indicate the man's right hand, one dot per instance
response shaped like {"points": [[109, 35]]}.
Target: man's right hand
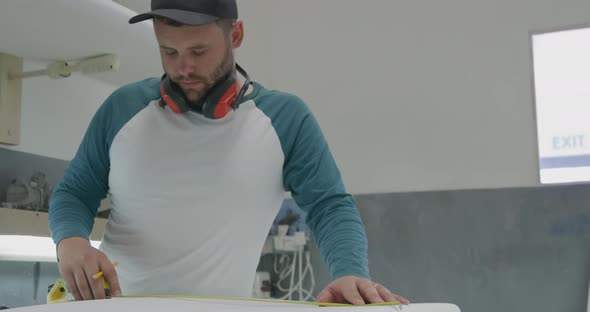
{"points": [[78, 262]]}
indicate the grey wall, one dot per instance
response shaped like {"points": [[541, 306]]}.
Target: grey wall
{"points": [[484, 250]]}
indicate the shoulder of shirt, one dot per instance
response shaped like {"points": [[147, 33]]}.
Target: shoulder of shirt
{"points": [[135, 95], [142, 91], [277, 99]]}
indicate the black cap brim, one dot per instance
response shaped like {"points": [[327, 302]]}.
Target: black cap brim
{"points": [[183, 17]]}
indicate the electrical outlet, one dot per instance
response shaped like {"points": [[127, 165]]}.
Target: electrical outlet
{"points": [[10, 99], [289, 243]]}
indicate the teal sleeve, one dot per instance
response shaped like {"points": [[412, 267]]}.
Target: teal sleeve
{"points": [[76, 197], [314, 180], [74, 202]]}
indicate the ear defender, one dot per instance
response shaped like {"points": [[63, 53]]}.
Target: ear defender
{"points": [[219, 101], [172, 96]]}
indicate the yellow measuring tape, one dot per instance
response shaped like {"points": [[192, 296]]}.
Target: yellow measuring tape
{"points": [[321, 304], [59, 293]]}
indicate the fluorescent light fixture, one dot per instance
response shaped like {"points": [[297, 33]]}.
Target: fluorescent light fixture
{"points": [[29, 248]]}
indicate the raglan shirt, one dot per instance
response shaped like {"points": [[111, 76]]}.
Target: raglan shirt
{"points": [[193, 198]]}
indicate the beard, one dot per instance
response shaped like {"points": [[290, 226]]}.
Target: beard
{"points": [[196, 95]]}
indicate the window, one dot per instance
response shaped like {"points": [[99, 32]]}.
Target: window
{"points": [[561, 64]]}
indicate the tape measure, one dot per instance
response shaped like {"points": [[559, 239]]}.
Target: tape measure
{"points": [[59, 293], [321, 304]]}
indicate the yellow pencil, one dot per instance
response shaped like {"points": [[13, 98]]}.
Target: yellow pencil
{"points": [[99, 274]]}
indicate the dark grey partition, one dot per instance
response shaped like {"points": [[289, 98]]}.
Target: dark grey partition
{"points": [[484, 250]]}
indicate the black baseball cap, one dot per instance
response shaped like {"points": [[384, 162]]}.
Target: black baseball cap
{"points": [[190, 12]]}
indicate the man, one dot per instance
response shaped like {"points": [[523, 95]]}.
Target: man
{"points": [[197, 164]]}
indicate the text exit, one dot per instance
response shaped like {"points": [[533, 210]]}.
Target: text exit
{"points": [[568, 142]]}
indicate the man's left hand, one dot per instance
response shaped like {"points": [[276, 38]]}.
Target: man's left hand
{"points": [[357, 291]]}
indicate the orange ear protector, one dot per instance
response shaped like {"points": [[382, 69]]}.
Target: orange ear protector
{"points": [[220, 100]]}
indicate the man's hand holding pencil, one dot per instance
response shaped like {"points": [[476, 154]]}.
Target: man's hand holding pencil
{"points": [[82, 265]]}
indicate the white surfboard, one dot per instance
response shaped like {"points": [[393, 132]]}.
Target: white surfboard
{"points": [[217, 305]]}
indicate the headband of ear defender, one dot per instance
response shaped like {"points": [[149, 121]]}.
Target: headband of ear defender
{"points": [[220, 100]]}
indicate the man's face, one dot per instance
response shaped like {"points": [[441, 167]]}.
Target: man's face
{"points": [[195, 57]]}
